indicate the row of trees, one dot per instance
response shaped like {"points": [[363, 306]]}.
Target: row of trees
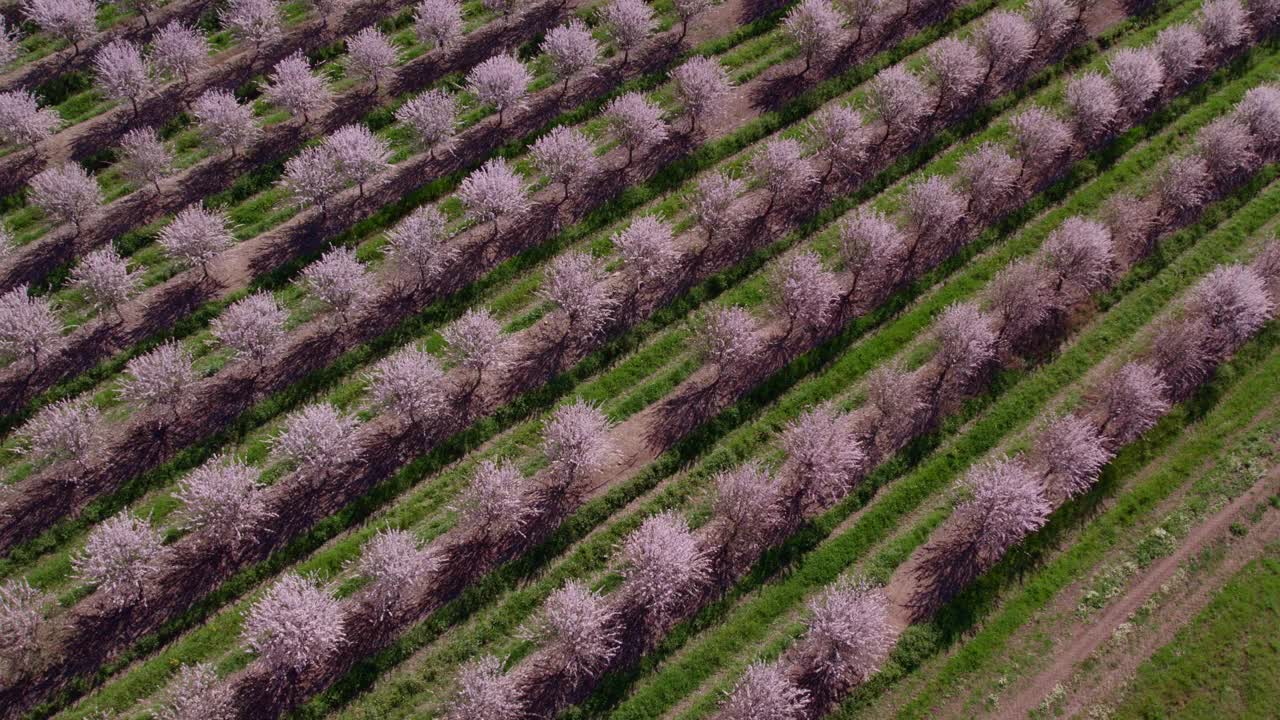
{"points": [[1010, 498], [1013, 498], [296, 625]]}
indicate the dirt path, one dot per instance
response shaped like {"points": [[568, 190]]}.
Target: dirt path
{"points": [[33, 261], [1085, 642]]}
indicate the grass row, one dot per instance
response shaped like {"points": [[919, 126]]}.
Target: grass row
{"points": [[1225, 662]]}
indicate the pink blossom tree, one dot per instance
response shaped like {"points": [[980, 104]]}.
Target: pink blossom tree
{"points": [[764, 691], [145, 158], [806, 292], [897, 399], [252, 327], [196, 236], [933, 209], [577, 630], [392, 561], [701, 85], [121, 72], [1079, 253], [1006, 504], [824, 460], [29, 327], [572, 51], [1094, 105], [712, 205], [1130, 401], [955, 70], [663, 566], [438, 22], [311, 177], [357, 154], [493, 192], [496, 503], [1138, 76], [1228, 150], [196, 694], [869, 244], [1233, 303], [295, 88], [21, 616], [70, 20], [417, 244], [1131, 221], [1072, 453], [340, 282], [1182, 52], [898, 99], [503, 7], [565, 156], [120, 555], [814, 25], [1004, 39], [371, 57], [475, 342], [966, 347], [315, 436], [687, 10], [1051, 20], [501, 81], [1264, 14], [1260, 110], [1182, 353], [782, 169], [223, 498], [647, 249], [485, 692], [433, 118], [1020, 300], [160, 377], [293, 626], [326, 8], [728, 340], [577, 443], [849, 635], [22, 121], [257, 22], [635, 122], [104, 278], [1039, 139], [67, 192], [575, 285], [1183, 185], [746, 516], [990, 177], [409, 383], [866, 16], [69, 429], [179, 50], [223, 121], [837, 136], [9, 48], [629, 23], [1224, 24]]}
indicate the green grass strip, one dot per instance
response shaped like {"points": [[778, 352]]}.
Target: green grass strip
{"points": [[1225, 663]]}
